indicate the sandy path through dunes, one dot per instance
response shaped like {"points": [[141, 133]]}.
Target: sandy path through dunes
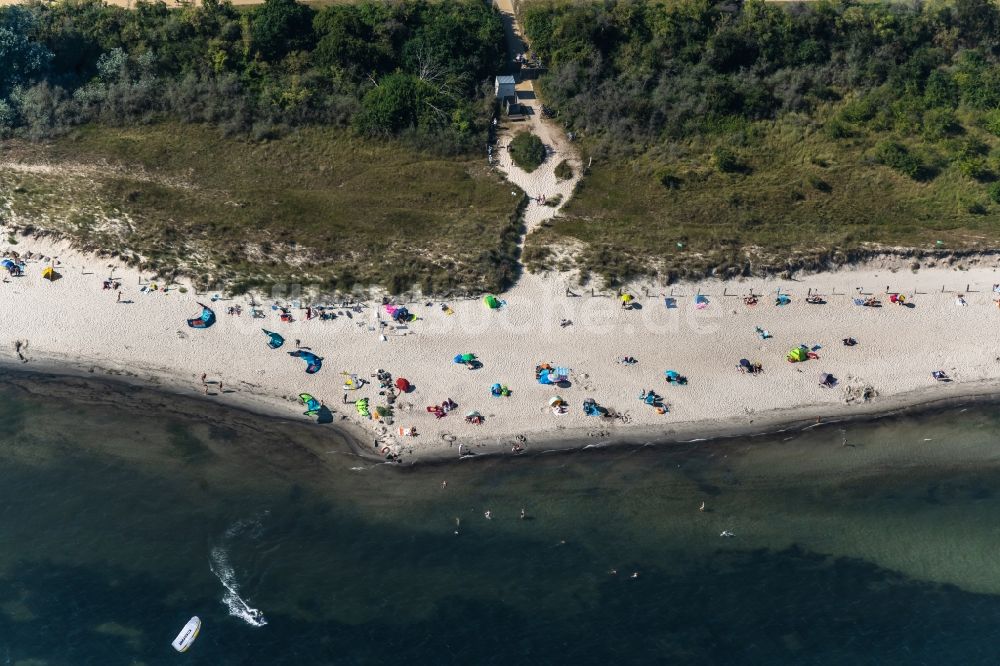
{"points": [[541, 182]]}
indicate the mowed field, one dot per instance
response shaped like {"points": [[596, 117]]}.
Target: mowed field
{"points": [[318, 205]]}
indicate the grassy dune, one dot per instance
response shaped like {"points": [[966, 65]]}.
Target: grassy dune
{"points": [[317, 206], [795, 198]]}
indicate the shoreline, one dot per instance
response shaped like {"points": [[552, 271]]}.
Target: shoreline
{"points": [[578, 441], [99, 386], [73, 326], [109, 389]]}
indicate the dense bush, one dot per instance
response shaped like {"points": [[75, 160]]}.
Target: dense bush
{"points": [[991, 121], [527, 151], [669, 178], [414, 69], [940, 123], [685, 67], [634, 76], [895, 155], [727, 161]]}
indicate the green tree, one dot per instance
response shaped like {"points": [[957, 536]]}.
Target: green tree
{"points": [[400, 101], [21, 58], [279, 27], [978, 22], [350, 38], [527, 151]]}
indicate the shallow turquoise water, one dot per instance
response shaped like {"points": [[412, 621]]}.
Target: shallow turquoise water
{"points": [[868, 544]]}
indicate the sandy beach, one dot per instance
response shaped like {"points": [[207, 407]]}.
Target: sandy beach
{"points": [[74, 325]]}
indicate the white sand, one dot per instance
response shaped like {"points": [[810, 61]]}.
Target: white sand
{"points": [[74, 325]]}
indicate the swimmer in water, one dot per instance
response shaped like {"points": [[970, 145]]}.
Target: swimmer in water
{"points": [[489, 515], [702, 507], [444, 484], [635, 574], [523, 514]]}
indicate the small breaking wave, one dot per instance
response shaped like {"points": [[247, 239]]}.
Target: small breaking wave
{"points": [[223, 570]]}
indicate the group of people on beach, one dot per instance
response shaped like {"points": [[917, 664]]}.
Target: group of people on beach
{"points": [[627, 302]]}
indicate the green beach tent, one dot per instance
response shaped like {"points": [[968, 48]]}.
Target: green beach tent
{"points": [[491, 302], [797, 355]]}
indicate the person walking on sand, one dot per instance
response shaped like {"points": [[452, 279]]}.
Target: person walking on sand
{"points": [[119, 297], [204, 379], [220, 387]]}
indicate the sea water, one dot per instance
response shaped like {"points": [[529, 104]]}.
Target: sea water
{"points": [[119, 520]]}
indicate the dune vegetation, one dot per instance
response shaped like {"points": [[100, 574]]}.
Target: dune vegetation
{"points": [[341, 146], [727, 139], [317, 206]]}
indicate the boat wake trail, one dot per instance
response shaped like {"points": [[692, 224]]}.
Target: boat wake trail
{"points": [[223, 570]]}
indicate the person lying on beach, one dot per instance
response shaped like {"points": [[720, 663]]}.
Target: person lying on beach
{"points": [[542, 367], [750, 300], [960, 301], [651, 398], [469, 361], [384, 378]]}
